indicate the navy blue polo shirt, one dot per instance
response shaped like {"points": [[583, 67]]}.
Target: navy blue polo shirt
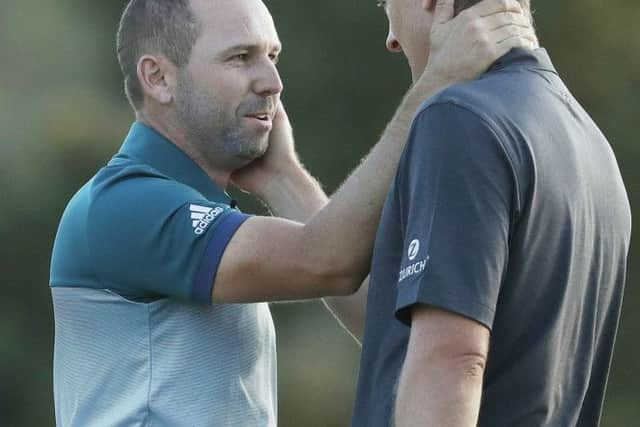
{"points": [[508, 208]]}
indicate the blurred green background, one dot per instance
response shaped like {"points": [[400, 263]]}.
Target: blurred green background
{"points": [[63, 113]]}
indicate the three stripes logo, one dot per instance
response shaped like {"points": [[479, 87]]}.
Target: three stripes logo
{"points": [[202, 216]]}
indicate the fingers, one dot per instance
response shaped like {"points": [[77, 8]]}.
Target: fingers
{"points": [[443, 11], [506, 28], [281, 125], [280, 114], [465, 46], [503, 19], [527, 38], [511, 37], [492, 7], [507, 44], [502, 34], [527, 34], [279, 109]]}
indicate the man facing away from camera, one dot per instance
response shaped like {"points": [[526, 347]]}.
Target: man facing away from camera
{"points": [[499, 265], [156, 279]]}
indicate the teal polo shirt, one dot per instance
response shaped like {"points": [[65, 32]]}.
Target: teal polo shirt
{"points": [[138, 340], [149, 224]]}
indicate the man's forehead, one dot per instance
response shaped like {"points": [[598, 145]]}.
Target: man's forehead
{"points": [[236, 21]]}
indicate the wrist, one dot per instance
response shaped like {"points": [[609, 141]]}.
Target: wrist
{"points": [[293, 193], [278, 175], [432, 81]]}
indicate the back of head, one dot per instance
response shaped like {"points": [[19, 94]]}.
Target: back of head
{"points": [[156, 27], [460, 5]]}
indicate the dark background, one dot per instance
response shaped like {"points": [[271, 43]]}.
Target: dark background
{"points": [[62, 115]]}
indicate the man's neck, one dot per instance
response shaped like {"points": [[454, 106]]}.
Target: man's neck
{"points": [[180, 138]]}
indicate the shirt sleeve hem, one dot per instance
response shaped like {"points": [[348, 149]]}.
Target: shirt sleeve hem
{"points": [[408, 296], [218, 241]]}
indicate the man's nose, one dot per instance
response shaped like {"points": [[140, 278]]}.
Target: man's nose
{"points": [[393, 45], [268, 83]]}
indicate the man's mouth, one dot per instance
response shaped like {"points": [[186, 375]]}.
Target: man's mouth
{"points": [[265, 117], [260, 120]]}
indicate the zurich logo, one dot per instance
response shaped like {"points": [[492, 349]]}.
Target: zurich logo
{"points": [[414, 248]]}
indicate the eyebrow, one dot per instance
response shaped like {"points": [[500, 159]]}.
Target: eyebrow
{"points": [[247, 46]]}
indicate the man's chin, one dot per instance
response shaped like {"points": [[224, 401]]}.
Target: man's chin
{"points": [[255, 151]]}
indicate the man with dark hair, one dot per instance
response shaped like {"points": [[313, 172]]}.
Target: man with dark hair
{"points": [[156, 278], [500, 260], [162, 26]]}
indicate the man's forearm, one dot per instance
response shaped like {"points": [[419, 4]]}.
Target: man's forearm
{"points": [[335, 246], [294, 194], [342, 234], [298, 196], [441, 379], [350, 311]]}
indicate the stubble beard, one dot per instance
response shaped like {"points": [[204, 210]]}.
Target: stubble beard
{"points": [[217, 137]]}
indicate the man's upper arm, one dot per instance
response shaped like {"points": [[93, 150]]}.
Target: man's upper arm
{"points": [[457, 195], [151, 236], [441, 381], [444, 336], [272, 259]]}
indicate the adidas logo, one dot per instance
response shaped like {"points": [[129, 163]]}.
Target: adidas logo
{"points": [[202, 216]]}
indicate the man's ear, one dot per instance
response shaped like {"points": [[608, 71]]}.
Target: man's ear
{"points": [[153, 75]]}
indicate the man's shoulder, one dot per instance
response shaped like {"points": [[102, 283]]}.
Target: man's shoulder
{"points": [[486, 97], [127, 182], [122, 190], [470, 121], [469, 104], [507, 101]]}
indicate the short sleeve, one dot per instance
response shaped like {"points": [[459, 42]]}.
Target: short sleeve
{"points": [[456, 193], [154, 236]]}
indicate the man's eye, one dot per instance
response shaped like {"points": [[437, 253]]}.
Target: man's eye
{"points": [[241, 57], [381, 3]]}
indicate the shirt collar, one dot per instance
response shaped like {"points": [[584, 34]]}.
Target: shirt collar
{"points": [[145, 144], [525, 58]]}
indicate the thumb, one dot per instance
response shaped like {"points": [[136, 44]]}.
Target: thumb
{"points": [[443, 11], [280, 114]]}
